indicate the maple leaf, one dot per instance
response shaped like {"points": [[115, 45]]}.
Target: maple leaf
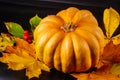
{"points": [[22, 56]]}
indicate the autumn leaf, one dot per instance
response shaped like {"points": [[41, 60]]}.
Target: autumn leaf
{"points": [[115, 69], [100, 74], [111, 53], [22, 56], [34, 70], [111, 21], [81, 76], [6, 40], [116, 39]]}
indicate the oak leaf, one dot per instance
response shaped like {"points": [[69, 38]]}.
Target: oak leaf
{"points": [[22, 56]]}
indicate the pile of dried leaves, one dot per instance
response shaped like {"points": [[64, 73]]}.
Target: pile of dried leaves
{"points": [[22, 55]]}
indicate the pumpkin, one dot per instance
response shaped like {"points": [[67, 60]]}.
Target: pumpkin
{"points": [[70, 41]]}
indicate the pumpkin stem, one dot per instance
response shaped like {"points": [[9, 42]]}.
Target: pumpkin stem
{"points": [[68, 27]]}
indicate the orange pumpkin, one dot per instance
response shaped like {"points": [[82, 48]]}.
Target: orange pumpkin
{"points": [[70, 41]]}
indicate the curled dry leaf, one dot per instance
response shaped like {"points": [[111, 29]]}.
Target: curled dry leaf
{"points": [[22, 56]]}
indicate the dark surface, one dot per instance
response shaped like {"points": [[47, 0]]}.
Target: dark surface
{"points": [[6, 74], [21, 11]]}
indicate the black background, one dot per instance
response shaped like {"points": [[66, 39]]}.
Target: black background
{"points": [[20, 11]]}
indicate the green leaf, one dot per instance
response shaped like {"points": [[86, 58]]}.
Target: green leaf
{"points": [[115, 69], [15, 29], [34, 21]]}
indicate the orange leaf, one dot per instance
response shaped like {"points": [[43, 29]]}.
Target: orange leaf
{"points": [[100, 74], [111, 53]]}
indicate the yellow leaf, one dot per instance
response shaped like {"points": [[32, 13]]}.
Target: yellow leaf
{"points": [[6, 40], [115, 69], [34, 70], [116, 39], [22, 56], [16, 62], [111, 21], [102, 73], [82, 76]]}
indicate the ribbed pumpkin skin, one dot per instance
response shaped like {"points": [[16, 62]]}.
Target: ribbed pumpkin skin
{"points": [[70, 41]]}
